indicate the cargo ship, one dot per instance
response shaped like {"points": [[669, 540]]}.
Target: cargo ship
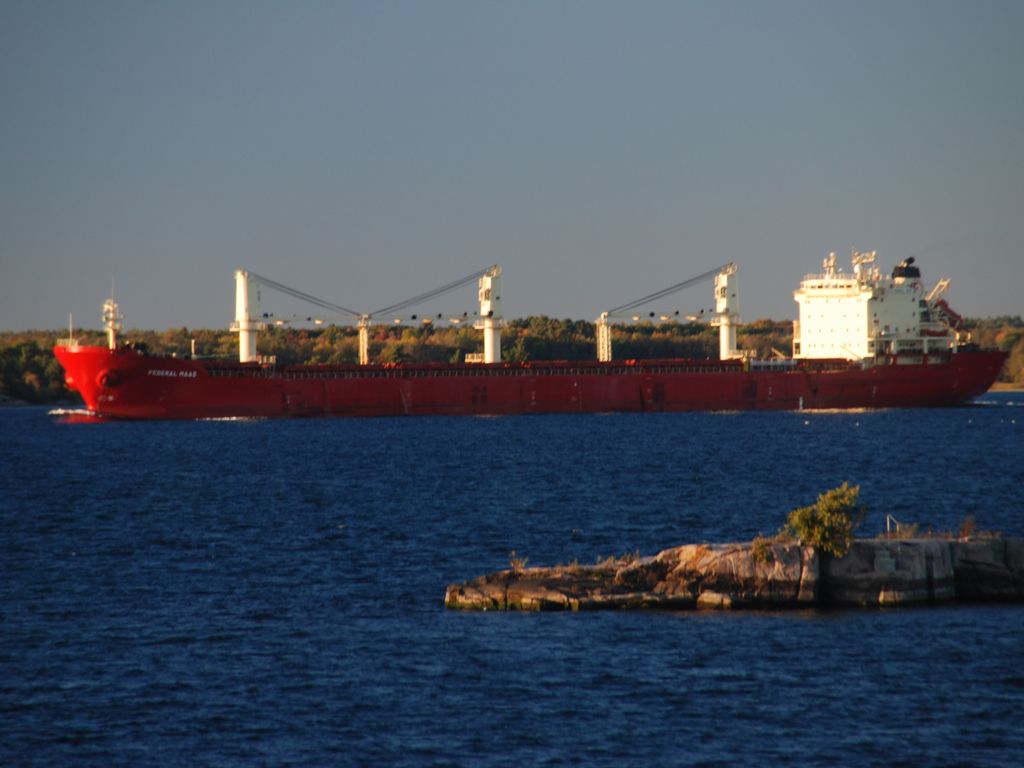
{"points": [[863, 339]]}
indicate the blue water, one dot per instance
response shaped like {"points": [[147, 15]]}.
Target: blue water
{"points": [[270, 592]]}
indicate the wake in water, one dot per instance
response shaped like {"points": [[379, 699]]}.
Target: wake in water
{"points": [[82, 415], [233, 418], [76, 416]]}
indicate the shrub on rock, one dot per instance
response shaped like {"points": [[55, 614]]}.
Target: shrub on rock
{"points": [[830, 522]]}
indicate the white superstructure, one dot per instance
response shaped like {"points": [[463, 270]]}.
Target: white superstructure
{"points": [[865, 314]]}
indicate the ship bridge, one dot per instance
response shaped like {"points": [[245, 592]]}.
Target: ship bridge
{"points": [[864, 314]]}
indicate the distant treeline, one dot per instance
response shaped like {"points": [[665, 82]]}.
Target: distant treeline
{"points": [[30, 372]]}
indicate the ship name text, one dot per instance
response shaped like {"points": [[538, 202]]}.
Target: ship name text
{"points": [[172, 374]]}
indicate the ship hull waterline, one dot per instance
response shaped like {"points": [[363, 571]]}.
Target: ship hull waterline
{"points": [[128, 384]]}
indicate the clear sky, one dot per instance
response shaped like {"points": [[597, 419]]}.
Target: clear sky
{"points": [[368, 151]]}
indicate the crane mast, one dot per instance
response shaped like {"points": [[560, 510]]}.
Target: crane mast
{"points": [[247, 323], [490, 313], [727, 312], [604, 338]]}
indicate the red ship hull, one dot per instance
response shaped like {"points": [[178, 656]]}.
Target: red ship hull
{"points": [[125, 383]]}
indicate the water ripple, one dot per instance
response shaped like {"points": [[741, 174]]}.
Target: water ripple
{"points": [[263, 592]]}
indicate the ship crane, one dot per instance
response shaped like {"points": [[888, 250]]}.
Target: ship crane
{"points": [[940, 288], [489, 284], [726, 312], [248, 320]]}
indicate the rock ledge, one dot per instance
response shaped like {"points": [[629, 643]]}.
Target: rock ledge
{"points": [[876, 572]]}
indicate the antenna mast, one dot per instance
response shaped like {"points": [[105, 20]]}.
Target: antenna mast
{"points": [[112, 321]]}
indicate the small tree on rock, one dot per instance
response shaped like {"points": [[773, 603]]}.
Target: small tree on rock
{"points": [[830, 522]]}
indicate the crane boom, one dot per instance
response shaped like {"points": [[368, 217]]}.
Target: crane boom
{"points": [[491, 324], [427, 295], [302, 295], [669, 291], [604, 334]]}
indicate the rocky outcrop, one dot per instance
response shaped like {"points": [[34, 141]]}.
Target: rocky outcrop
{"points": [[703, 574], [881, 572], [989, 569], [876, 572]]}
